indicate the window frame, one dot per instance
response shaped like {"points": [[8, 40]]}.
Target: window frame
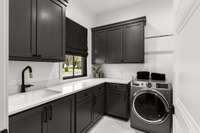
{"points": [[84, 61]]}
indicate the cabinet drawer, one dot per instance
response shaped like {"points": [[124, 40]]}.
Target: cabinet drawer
{"points": [[117, 87], [83, 95], [99, 89]]}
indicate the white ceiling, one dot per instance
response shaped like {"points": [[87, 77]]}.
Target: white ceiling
{"points": [[102, 6]]}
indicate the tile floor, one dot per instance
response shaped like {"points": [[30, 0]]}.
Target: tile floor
{"points": [[112, 125]]}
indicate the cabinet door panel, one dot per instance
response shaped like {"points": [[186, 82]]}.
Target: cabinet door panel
{"points": [[114, 45], [99, 106], [62, 118], [50, 29], [116, 104], [133, 48], [28, 122], [99, 46], [117, 101], [20, 25], [83, 115]]}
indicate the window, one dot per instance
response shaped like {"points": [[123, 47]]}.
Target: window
{"points": [[74, 66]]}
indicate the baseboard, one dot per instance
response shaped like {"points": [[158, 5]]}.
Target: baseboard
{"points": [[184, 122]]}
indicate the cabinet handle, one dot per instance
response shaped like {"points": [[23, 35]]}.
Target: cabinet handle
{"points": [[37, 56], [126, 96], [50, 112], [45, 113], [95, 100]]}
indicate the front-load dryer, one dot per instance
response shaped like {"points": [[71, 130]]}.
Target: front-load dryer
{"points": [[151, 106]]}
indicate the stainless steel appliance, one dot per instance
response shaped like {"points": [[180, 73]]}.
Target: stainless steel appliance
{"points": [[151, 106]]}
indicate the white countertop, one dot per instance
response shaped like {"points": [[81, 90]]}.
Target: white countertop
{"points": [[24, 101]]}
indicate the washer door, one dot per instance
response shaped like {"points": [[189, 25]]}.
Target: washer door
{"points": [[150, 106]]}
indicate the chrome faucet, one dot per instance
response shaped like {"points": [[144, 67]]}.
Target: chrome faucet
{"points": [[23, 85]]}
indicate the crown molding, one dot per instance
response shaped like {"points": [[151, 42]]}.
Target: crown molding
{"points": [[183, 13]]}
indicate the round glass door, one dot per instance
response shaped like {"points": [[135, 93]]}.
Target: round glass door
{"points": [[150, 106]]}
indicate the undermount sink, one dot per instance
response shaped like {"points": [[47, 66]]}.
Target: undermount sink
{"points": [[31, 96]]}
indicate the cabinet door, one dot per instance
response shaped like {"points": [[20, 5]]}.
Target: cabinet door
{"points": [[83, 115], [99, 46], [114, 45], [133, 48], [28, 122], [20, 24], [61, 116], [50, 29], [117, 101], [98, 108]]}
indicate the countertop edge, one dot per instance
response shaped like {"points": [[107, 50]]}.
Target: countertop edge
{"points": [[57, 97]]}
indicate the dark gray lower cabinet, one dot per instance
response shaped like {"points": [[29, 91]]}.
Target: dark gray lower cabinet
{"points": [[55, 117], [89, 108], [117, 100], [83, 110], [61, 116], [76, 113], [98, 106], [31, 121]]}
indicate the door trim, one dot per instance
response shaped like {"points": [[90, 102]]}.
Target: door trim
{"points": [[4, 40]]}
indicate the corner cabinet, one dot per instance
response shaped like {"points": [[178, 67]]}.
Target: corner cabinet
{"points": [[37, 30], [89, 108], [121, 42], [57, 116]]}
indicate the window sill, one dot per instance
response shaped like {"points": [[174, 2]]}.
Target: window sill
{"points": [[66, 80]]}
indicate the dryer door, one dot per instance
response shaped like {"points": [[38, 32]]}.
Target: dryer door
{"points": [[150, 106]]}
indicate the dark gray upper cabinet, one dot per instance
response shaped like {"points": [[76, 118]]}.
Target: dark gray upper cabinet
{"points": [[114, 45], [37, 30], [121, 42], [98, 50], [20, 44], [76, 38], [133, 48], [50, 29]]}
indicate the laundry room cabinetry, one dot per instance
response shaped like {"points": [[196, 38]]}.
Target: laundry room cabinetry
{"points": [[121, 42], [57, 116], [89, 108], [117, 100], [37, 30]]}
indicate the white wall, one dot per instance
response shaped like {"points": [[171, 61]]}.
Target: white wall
{"points": [[47, 74], [3, 63], [159, 51], [187, 19]]}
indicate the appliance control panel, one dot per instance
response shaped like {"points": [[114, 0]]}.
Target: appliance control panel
{"points": [[150, 84]]}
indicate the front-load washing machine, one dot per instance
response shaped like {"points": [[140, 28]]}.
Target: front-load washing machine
{"points": [[151, 106]]}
